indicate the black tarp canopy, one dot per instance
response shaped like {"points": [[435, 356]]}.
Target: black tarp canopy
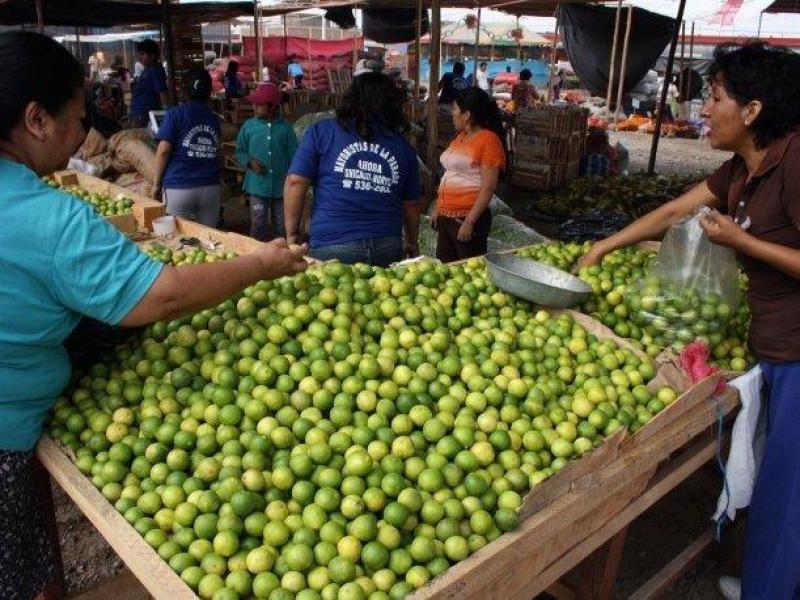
{"points": [[588, 34], [108, 13]]}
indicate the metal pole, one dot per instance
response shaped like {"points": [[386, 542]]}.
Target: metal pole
{"points": [[259, 49], [475, 55], [691, 63], [39, 17], [230, 41], [760, 16], [519, 43], [651, 166], [624, 65], [612, 65], [418, 52], [553, 60], [433, 88]]}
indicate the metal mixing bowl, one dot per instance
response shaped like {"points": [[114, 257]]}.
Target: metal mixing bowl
{"points": [[536, 282]]}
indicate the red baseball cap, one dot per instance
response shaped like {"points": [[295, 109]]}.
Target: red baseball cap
{"points": [[266, 93]]}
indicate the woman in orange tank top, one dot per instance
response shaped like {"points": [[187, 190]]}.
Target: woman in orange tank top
{"points": [[472, 164]]}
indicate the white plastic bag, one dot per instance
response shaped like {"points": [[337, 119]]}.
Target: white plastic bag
{"points": [[691, 292]]}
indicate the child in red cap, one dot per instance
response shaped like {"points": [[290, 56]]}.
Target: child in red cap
{"points": [[265, 146]]}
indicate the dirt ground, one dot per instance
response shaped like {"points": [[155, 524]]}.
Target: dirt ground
{"points": [[652, 541]]}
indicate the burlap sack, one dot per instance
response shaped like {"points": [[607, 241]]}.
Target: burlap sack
{"points": [[94, 145], [139, 155]]}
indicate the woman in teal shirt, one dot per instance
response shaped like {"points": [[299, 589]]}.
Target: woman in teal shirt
{"points": [[58, 262]]}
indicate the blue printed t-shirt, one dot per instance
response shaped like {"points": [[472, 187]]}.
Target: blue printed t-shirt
{"points": [[58, 261], [146, 94], [194, 132], [294, 69], [359, 186]]}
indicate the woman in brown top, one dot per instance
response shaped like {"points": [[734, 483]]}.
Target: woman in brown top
{"points": [[754, 112]]}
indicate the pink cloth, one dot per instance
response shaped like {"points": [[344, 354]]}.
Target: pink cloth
{"points": [[695, 361]]}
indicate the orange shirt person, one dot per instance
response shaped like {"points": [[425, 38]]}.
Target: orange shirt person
{"points": [[472, 163]]}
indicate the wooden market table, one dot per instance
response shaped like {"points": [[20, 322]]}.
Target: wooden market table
{"points": [[584, 512], [578, 518]]}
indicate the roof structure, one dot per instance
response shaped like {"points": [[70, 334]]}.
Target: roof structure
{"points": [[540, 8], [784, 6], [108, 13]]}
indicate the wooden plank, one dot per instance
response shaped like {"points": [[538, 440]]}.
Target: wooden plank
{"points": [[123, 586], [515, 561], [678, 470], [560, 591], [125, 223], [161, 581], [561, 482], [656, 586], [599, 570]]}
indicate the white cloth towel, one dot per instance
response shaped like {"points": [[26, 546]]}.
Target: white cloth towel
{"points": [[746, 444]]}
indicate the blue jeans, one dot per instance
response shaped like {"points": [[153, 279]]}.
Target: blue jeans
{"points": [[772, 545], [266, 214], [379, 252]]}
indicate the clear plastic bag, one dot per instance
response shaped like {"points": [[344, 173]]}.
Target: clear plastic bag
{"points": [[691, 292]]}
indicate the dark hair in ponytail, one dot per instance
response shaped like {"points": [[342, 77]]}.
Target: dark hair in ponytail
{"points": [[197, 84], [483, 111], [25, 56]]}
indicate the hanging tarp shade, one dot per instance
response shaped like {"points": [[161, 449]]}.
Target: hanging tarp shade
{"points": [[108, 13], [588, 34], [392, 25]]}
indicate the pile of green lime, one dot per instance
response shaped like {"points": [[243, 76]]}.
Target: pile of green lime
{"points": [[103, 205], [347, 433], [628, 300], [189, 256]]}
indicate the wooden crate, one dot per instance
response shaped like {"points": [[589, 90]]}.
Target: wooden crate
{"points": [[339, 80], [533, 175], [551, 121], [145, 209]]}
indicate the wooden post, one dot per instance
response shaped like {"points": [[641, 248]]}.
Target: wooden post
{"points": [[624, 64], [418, 52], [683, 48], [166, 26], [549, 96], [433, 88], [78, 45], [475, 54], [230, 41], [259, 49], [39, 17], [519, 43], [612, 65], [651, 166], [691, 62]]}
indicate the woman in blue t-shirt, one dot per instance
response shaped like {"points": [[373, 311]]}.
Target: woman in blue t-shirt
{"points": [[234, 88], [61, 261], [186, 166], [365, 177], [149, 91]]}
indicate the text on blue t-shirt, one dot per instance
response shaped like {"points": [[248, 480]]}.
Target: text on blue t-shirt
{"points": [[359, 186], [194, 132]]}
